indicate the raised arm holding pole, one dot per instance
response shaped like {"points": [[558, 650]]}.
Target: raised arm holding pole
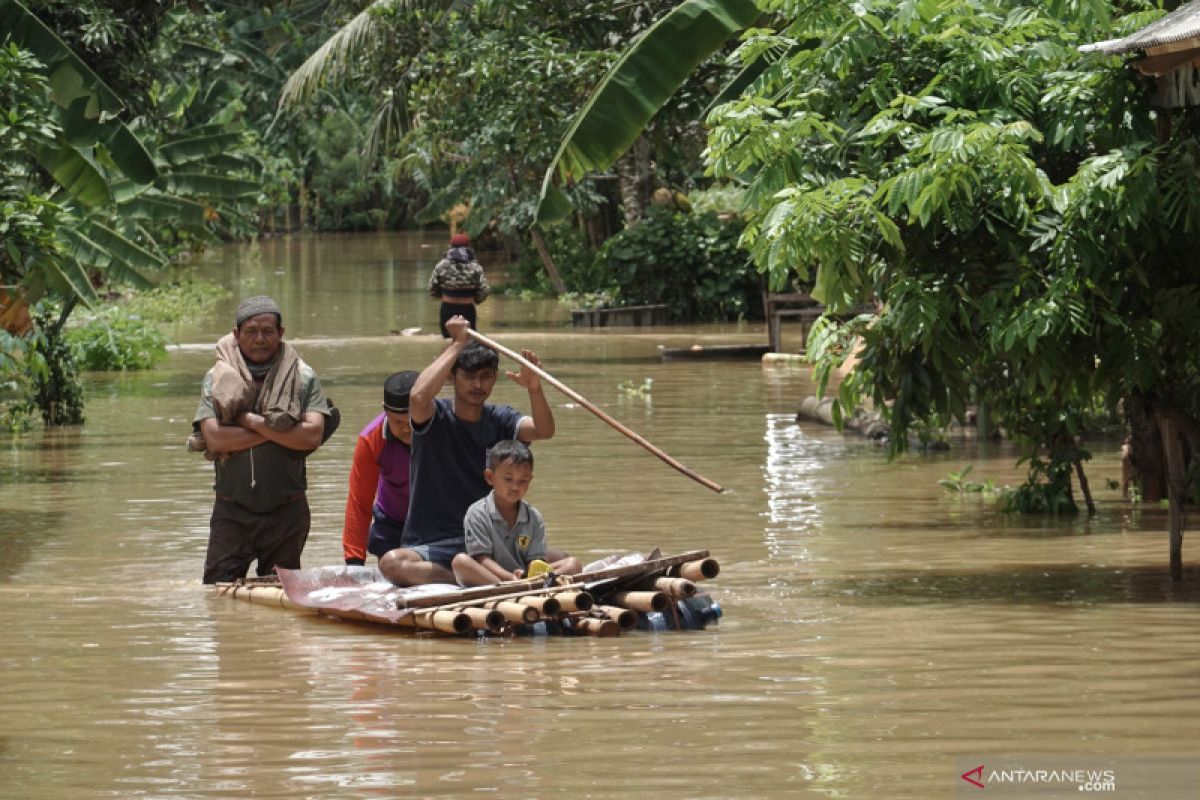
{"points": [[583, 401]]}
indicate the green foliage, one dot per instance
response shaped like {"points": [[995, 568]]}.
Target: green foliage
{"points": [[641, 81], [56, 385], [112, 339], [577, 264], [1047, 489], [691, 262], [1002, 198], [720, 198], [348, 195], [957, 483], [185, 300]]}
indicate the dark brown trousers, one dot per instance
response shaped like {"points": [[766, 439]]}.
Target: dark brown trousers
{"points": [[237, 536]]}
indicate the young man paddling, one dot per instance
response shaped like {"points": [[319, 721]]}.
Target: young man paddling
{"points": [[450, 443]]}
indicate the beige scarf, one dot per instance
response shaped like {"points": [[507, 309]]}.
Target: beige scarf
{"points": [[234, 391]]}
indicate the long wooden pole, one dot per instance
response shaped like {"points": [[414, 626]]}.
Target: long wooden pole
{"points": [[590, 406]]}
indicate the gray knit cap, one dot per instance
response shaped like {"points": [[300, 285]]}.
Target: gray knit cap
{"points": [[253, 306]]}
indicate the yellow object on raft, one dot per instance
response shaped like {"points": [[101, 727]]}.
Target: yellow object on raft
{"points": [[537, 568]]}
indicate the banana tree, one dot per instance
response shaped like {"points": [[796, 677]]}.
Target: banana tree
{"points": [[633, 91]]}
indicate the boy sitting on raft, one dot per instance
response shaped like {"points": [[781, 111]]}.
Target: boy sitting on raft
{"points": [[503, 533]]}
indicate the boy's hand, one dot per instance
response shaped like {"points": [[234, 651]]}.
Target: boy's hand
{"points": [[526, 377], [518, 574], [457, 326]]}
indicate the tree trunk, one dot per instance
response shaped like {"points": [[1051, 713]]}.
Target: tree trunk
{"points": [[1085, 489], [547, 261], [1176, 484], [1146, 448], [631, 198]]}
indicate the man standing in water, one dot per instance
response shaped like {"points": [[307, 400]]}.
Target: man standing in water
{"points": [[262, 412], [450, 443]]}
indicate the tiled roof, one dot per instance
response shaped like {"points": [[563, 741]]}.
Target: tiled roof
{"points": [[1182, 23]]}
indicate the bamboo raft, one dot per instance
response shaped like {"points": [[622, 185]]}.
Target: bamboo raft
{"points": [[651, 592]]}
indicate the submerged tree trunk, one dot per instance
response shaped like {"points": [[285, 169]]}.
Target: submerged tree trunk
{"points": [[1084, 488], [547, 261], [1146, 448], [1176, 485]]}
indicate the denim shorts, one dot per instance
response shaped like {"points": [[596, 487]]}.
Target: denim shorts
{"points": [[441, 553]]}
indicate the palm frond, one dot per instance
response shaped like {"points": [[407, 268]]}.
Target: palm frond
{"points": [[336, 56]]}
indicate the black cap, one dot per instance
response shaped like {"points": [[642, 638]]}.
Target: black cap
{"points": [[396, 389]]}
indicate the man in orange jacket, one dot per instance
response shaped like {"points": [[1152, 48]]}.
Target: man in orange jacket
{"points": [[379, 487]]}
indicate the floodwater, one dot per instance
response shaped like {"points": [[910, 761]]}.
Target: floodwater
{"points": [[880, 635]]}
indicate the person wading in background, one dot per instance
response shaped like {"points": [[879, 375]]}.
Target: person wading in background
{"points": [[459, 281]]}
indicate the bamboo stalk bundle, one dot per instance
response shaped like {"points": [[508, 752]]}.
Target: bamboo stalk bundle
{"points": [[700, 569], [445, 620], [485, 619], [545, 605], [594, 626], [625, 618], [516, 613], [641, 601], [574, 600]]}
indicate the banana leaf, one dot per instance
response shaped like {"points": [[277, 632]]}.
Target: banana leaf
{"points": [[68, 278], [129, 253], [164, 208], [128, 153], [202, 184], [70, 77], [195, 148], [90, 106], [86, 252], [74, 172], [636, 87]]}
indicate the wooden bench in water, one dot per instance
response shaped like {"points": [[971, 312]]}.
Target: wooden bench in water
{"points": [[658, 592]]}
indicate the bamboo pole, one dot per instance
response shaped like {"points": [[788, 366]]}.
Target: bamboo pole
{"points": [[485, 619], [641, 601], [444, 620], [546, 606], [516, 613], [590, 406], [574, 601], [700, 569], [594, 626], [622, 616], [676, 588]]}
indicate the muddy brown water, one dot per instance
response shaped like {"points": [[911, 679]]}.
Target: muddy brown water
{"points": [[877, 630]]}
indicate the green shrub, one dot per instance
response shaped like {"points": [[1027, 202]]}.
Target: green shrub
{"points": [[690, 262], [114, 339], [187, 299]]}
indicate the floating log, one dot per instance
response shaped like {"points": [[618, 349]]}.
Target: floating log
{"points": [[641, 601], [625, 618], [700, 569]]}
